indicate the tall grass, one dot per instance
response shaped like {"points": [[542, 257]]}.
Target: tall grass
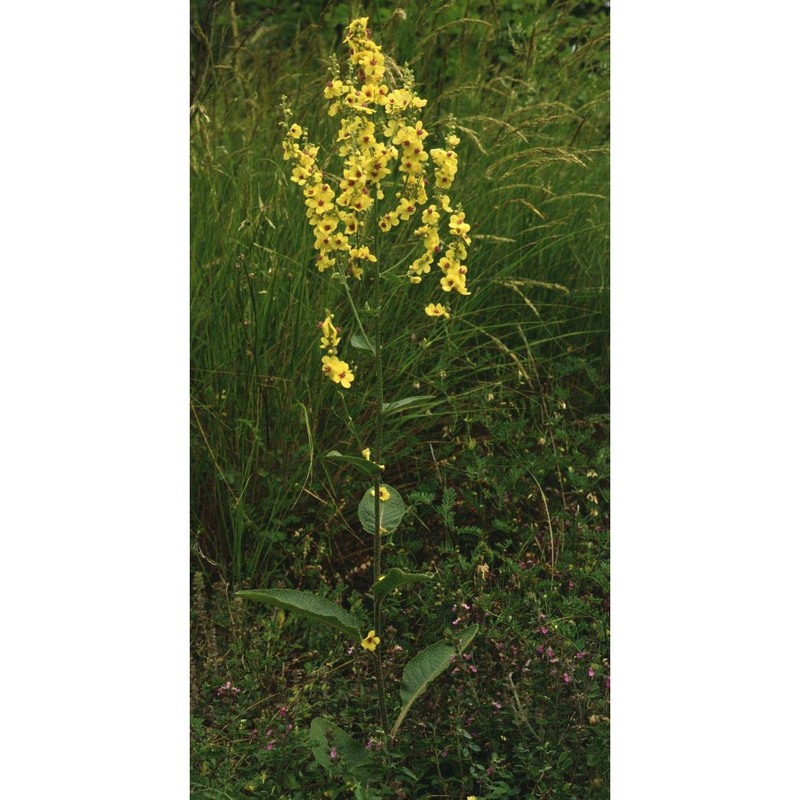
{"points": [[529, 87]]}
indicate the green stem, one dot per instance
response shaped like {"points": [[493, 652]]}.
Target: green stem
{"points": [[377, 543], [353, 308], [376, 660], [378, 446]]}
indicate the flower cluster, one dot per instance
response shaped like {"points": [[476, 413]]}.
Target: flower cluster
{"points": [[228, 690], [381, 139], [337, 370]]}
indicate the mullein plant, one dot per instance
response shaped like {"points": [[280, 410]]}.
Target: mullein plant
{"points": [[387, 178]]}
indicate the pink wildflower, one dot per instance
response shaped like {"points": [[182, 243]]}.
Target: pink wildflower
{"points": [[228, 690]]}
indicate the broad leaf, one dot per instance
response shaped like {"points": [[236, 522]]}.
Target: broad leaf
{"points": [[407, 402], [367, 467], [326, 735], [362, 343], [394, 579], [391, 511], [425, 667], [317, 609]]}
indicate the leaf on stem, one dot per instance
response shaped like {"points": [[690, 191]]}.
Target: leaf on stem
{"points": [[317, 609], [394, 579], [425, 667], [391, 510], [367, 467], [361, 342]]}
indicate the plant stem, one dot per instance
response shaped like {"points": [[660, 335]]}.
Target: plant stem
{"points": [[377, 544]]}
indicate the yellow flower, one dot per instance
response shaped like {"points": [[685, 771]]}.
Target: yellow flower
{"points": [[458, 227], [388, 221], [430, 215], [371, 642], [405, 208], [455, 278], [436, 310], [330, 334], [384, 494], [366, 453], [338, 371]]}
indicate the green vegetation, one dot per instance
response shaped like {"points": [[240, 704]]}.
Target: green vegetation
{"points": [[504, 469]]}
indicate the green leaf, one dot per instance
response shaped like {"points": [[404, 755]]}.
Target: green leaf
{"points": [[425, 667], [391, 510], [361, 342], [317, 609], [367, 467], [394, 579], [407, 402], [356, 759]]}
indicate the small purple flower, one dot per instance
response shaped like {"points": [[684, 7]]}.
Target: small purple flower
{"points": [[544, 630], [456, 620], [567, 678], [444, 753], [333, 755], [580, 655], [497, 705], [473, 669], [281, 711]]}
